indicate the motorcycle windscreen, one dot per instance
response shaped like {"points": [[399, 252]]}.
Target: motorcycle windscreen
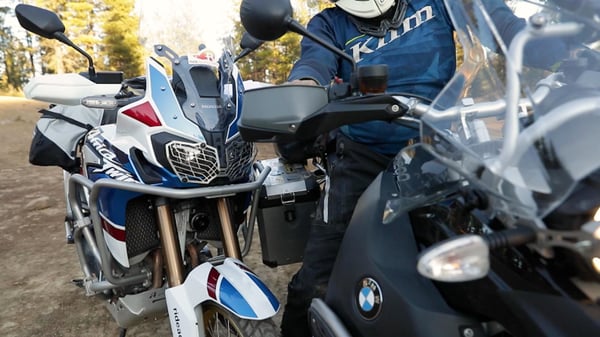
{"points": [[209, 92], [505, 122], [166, 102]]}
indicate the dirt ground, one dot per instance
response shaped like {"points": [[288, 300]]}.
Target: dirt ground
{"points": [[37, 297]]}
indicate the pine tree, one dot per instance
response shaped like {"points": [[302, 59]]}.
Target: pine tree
{"points": [[121, 49], [106, 29], [286, 50], [14, 67]]}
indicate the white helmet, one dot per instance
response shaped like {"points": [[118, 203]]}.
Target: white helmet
{"points": [[365, 9]]}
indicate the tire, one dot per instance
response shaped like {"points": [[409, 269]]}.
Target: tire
{"points": [[219, 322]]}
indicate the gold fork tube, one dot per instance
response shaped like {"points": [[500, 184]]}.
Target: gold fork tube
{"points": [[169, 242], [231, 245]]}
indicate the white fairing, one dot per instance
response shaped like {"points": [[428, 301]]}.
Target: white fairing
{"points": [[67, 89], [117, 248], [365, 9], [230, 285], [130, 132]]}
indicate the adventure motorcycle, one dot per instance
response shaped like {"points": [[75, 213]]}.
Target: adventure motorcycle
{"points": [[489, 224], [158, 185]]}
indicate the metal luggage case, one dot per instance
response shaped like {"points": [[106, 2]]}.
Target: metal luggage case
{"points": [[286, 209]]}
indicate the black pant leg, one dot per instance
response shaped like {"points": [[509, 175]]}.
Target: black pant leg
{"points": [[350, 171]]}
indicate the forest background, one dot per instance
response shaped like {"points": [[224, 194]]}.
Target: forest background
{"points": [[113, 33], [110, 31]]}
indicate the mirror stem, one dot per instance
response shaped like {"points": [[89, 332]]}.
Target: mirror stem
{"points": [[64, 39], [516, 236], [242, 54]]}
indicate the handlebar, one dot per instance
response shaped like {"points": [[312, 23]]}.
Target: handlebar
{"points": [[301, 112], [416, 108]]}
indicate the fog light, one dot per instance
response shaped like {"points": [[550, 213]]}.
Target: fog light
{"points": [[459, 259]]}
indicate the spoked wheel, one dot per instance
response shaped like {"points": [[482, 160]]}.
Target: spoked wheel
{"points": [[219, 322]]}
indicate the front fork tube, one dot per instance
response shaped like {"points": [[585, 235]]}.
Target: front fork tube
{"points": [[170, 244], [231, 244]]}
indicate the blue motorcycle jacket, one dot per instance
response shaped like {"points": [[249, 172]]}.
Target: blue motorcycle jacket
{"points": [[420, 55]]}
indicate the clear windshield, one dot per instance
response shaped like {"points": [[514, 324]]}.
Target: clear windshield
{"points": [[519, 120], [185, 24]]}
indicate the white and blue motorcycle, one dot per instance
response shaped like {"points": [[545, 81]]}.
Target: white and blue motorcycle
{"points": [[158, 185]]}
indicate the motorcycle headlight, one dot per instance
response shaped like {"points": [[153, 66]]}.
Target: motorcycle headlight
{"points": [[193, 163]]}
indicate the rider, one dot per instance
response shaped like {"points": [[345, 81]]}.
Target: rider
{"points": [[415, 38]]}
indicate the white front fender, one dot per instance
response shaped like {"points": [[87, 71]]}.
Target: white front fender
{"points": [[231, 285]]}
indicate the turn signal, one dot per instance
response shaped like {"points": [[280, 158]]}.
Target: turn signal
{"points": [[596, 264], [99, 102], [597, 215], [458, 259]]}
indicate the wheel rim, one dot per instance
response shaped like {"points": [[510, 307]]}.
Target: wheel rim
{"points": [[219, 322]]}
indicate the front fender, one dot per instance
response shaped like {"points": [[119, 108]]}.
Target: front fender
{"points": [[232, 285]]}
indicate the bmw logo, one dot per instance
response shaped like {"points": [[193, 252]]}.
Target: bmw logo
{"points": [[369, 298]]}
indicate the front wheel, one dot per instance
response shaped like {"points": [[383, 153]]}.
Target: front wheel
{"points": [[219, 322]]}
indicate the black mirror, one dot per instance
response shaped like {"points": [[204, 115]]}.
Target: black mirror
{"points": [[248, 44], [270, 19], [39, 21], [47, 24], [266, 19]]}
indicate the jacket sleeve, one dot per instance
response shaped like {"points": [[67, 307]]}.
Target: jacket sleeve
{"points": [[507, 23], [316, 62], [540, 53]]}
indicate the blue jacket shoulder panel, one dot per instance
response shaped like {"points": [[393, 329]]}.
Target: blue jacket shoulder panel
{"points": [[420, 54], [334, 26]]}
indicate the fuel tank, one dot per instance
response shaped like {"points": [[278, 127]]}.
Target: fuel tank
{"points": [[375, 288]]}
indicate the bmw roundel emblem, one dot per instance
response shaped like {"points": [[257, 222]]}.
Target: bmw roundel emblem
{"points": [[369, 298]]}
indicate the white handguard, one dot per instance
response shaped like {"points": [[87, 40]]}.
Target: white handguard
{"points": [[67, 89]]}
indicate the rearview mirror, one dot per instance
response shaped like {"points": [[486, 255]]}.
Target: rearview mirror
{"points": [[248, 44], [270, 19], [39, 21], [47, 24], [266, 19]]}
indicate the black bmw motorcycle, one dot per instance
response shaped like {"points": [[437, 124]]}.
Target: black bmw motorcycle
{"points": [[489, 225]]}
